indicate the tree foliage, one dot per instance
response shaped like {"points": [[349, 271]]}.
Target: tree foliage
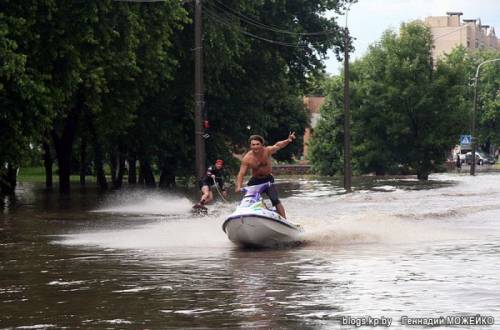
{"points": [[103, 81], [488, 114], [406, 112], [25, 103], [325, 146]]}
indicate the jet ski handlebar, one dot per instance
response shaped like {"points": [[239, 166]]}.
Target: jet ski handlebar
{"points": [[255, 191], [258, 188]]}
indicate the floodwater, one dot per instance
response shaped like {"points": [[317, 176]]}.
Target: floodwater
{"points": [[139, 260]]}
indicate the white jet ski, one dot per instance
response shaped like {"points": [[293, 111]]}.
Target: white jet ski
{"points": [[254, 225]]}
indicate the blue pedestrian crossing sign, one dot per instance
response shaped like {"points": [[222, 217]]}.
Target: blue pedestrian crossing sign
{"points": [[465, 139]]}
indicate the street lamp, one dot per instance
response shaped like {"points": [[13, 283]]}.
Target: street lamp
{"points": [[473, 126]]}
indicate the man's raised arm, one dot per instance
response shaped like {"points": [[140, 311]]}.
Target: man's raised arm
{"points": [[281, 144]]}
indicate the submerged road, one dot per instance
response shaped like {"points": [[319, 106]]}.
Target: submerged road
{"points": [[394, 248]]}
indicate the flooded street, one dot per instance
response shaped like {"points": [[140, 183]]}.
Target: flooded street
{"points": [[140, 260]]}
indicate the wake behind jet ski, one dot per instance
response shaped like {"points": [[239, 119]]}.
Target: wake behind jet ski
{"points": [[253, 224]]}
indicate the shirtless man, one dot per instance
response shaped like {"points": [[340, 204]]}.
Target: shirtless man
{"points": [[259, 160]]}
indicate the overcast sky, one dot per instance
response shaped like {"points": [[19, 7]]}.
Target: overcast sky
{"points": [[368, 19]]}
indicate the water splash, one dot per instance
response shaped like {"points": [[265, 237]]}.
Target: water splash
{"points": [[375, 228], [181, 232], [388, 217], [145, 202], [186, 233], [391, 217]]}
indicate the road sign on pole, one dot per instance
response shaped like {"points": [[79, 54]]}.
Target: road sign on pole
{"points": [[465, 139]]}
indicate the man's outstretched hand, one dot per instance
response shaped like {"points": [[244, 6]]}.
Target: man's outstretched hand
{"points": [[291, 136]]}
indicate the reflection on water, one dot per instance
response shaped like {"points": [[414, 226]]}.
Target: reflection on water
{"points": [[135, 259]]}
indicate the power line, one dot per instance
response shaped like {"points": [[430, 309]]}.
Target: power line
{"points": [[239, 29], [140, 1], [227, 11], [217, 18], [261, 25]]}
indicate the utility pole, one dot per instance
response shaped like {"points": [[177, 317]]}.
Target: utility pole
{"points": [[473, 128], [347, 116], [198, 91]]}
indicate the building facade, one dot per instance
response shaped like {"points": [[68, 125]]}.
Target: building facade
{"points": [[451, 31], [312, 105]]}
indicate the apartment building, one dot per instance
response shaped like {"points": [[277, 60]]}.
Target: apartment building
{"points": [[451, 30]]}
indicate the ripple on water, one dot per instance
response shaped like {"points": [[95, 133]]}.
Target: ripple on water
{"points": [[406, 249]]}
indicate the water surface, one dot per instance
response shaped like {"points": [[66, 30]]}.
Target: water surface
{"points": [[139, 259]]}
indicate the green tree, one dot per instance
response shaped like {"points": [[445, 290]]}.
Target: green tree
{"points": [[116, 78], [488, 106], [406, 114], [97, 60], [259, 55], [326, 144], [147, 61], [254, 76], [25, 108]]}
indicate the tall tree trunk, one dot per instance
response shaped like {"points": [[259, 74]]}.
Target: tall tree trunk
{"points": [[487, 146], [99, 169], [141, 173], [423, 170], [8, 180], [148, 175], [83, 159], [424, 176], [63, 151], [98, 163], [113, 162], [167, 172], [64, 146], [118, 168], [121, 171], [132, 171], [47, 163]]}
